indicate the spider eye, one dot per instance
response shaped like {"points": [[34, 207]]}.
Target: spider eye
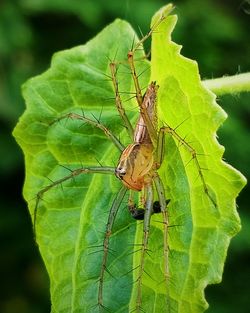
{"points": [[120, 172]]}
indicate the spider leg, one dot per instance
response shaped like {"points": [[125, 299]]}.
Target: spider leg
{"points": [[167, 129], [94, 123], [74, 173], [139, 97], [118, 101], [131, 58], [146, 227], [163, 203], [112, 214], [143, 109]]}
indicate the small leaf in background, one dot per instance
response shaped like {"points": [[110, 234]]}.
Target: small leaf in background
{"points": [[71, 220]]}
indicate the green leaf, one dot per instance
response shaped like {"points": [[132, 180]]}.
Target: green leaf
{"points": [[71, 218]]}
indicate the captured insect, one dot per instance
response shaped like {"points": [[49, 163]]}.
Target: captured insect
{"points": [[120, 236]]}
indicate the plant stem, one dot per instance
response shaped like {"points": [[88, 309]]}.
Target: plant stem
{"points": [[229, 84]]}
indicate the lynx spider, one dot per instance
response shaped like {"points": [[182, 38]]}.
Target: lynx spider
{"points": [[137, 168]]}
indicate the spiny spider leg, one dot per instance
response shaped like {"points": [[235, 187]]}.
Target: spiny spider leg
{"points": [[117, 201], [79, 171], [163, 202], [140, 99], [153, 29], [96, 123], [118, 101], [112, 214], [143, 105], [146, 226], [74, 173], [188, 147]]}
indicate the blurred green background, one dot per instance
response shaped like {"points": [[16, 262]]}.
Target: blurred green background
{"points": [[215, 33]]}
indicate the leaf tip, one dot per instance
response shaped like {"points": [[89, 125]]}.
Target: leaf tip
{"points": [[162, 13]]}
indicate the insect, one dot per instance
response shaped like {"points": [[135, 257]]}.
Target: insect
{"points": [[137, 169]]}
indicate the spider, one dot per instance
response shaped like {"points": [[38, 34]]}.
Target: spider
{"points": [[137, 169]]}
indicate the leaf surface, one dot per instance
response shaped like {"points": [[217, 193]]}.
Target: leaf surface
{"points": [[71, 217]]}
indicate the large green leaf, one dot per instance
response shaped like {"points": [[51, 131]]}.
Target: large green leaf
{"points": [[71, 218]]}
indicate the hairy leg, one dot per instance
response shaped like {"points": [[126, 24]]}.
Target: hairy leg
{"points": [[146, 228], [112, 214], [74, 173], [167, 129], [94, 123]]}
